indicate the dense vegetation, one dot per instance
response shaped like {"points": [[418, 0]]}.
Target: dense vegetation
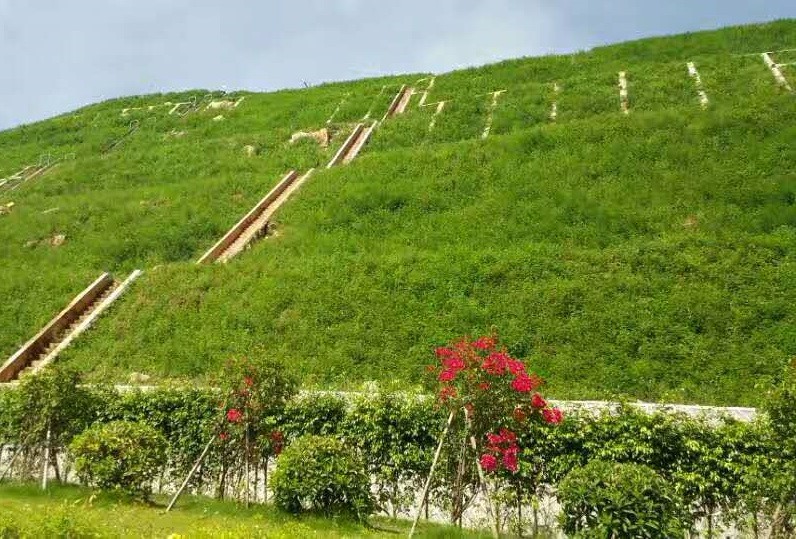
{"points": [[650, 255]]}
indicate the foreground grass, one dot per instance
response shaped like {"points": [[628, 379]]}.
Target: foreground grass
{"points": [[66, 511]]}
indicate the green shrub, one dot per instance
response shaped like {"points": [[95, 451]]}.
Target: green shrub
{"points": [[119, 455], [319, 473], [606, 499]]}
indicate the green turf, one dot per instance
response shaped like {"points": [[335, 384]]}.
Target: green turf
{"points": [[648, 255], [64, 511]]}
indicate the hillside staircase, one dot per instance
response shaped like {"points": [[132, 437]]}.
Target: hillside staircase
{"points": [[59, 333], [353, 144], [255, 223]]}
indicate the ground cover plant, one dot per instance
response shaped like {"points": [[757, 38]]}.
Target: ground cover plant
{"points": [[67, 511], [647, 255]]}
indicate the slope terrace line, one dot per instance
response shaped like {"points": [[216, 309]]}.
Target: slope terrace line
{"points": [[623, 102], [67, 325], [692, 71], [776, 71]]}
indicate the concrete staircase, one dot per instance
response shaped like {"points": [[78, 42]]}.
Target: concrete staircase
{"points": [[59, 333]]}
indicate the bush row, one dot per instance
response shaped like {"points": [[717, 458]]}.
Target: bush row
{"points": [[741, 472]]}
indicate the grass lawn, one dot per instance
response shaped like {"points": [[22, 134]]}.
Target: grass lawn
{"points": [[67, 511]]}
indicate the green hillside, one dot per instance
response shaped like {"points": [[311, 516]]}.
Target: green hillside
{"points": [[651, 254]]}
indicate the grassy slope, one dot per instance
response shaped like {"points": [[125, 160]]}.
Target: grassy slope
{"points": [[649, 255], [77, 512]]}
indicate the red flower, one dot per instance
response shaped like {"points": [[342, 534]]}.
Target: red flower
{"points": [[446, 393], [454, 364], [515, 367], [525, 383], [494, 439], [495, 363], [249, 381], [519, 415], [510, 461], [552, 416], [537, 401], [277, 442], [234, 415], [483, 386], [488, 462], [484, 343], [447, 376], [522, 384], [508, 436], [223, 436], [444, 352]]}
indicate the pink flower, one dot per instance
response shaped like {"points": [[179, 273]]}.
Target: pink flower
{"points": [[447, 376], [552, 416], [488, 462], [537, 401], [234, 415]]}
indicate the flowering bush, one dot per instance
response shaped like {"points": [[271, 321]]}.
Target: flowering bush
{"points": [[496, 391]]}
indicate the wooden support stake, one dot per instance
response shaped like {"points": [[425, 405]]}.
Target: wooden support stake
{"points": [[191, 473], [46, 466], [482, 479], [11, 462], [426, 487]]}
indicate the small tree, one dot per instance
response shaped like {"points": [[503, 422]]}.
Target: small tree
{"points": [[50, 410], [489, 396], [257, 392]]}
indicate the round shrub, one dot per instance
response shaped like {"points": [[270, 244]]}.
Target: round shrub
{"points": [[608, 499], [120, 455], [319, 473]]}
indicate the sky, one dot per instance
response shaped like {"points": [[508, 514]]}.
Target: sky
{"points": [[58, 55]]}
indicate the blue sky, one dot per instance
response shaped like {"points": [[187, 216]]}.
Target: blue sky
{"points": [[57, 55]]}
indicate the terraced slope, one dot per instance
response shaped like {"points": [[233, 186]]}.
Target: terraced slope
{"points": [[649, 254]]}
